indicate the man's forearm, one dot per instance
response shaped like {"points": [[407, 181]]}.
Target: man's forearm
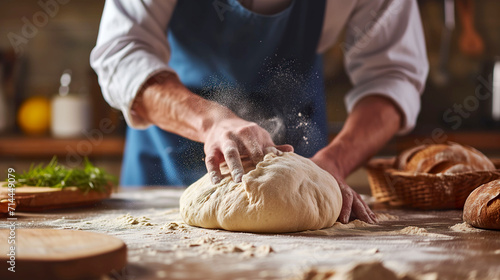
{"points": [[168, 104], [371, 124]]}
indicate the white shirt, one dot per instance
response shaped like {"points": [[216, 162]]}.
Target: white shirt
{"points": [[384, 49]]}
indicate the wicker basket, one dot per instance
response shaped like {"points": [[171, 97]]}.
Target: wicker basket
{"points": [[422, 190]]}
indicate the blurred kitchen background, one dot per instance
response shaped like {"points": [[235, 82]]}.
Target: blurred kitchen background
{"points": [[38, 45]]}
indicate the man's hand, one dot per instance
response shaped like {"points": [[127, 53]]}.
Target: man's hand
{"points": [[372, 122], [229, 139], [353, 206]]}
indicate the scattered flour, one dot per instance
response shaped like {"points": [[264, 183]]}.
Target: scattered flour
{"points": [[356, 224], [413, 230], [382, 217], [171, 211], [104, 223], [369, 270], [357, 252], [175, 227], [209, 245], [464, 227], [131, 220], [352, 224], [339, 228], [373, 270]]}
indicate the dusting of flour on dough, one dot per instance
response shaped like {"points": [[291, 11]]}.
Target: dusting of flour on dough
{"points": [[464, 227]]}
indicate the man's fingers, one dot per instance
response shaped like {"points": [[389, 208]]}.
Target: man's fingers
{"points": [[232, 157], [273, 150], [285, 148], [212, 161], [347, 199], [278, 150], [368, 209], [360, 209], [254, 149]]}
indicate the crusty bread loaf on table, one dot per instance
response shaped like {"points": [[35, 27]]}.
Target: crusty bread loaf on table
{"points": [[482, 207]]}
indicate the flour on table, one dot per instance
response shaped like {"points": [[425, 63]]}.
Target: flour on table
{"points": [[464, 227], [358, 227], [353, 224], [141, 221], [105, 222], [210, 246], [382, 217], [192, 242], [339, 228], [373, 270], [173, 227], [171, 211], [413, 230], [369, 270], [317, 274]]}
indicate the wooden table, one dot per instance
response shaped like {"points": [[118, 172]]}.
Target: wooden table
{"points": [[156, 253]]}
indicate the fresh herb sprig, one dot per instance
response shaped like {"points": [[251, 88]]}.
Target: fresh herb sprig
{"points": [[57, 176]]}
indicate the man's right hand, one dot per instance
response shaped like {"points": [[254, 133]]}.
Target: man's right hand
{"points": [[231, 138]]}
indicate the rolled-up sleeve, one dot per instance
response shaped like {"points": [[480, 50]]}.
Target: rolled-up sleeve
{"points": [[131, 47], [385, 55]]}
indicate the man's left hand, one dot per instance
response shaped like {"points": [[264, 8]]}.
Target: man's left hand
{"points": [[353, 206]]}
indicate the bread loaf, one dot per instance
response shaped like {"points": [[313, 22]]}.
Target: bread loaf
{"points": [[482, 207], [450, 158]]}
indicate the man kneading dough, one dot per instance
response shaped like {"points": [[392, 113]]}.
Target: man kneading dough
{"points": [[198, 82]]}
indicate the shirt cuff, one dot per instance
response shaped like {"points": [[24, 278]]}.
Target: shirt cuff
{"points": [[142, 68], [401, 92]]}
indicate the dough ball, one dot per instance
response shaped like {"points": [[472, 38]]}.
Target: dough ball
{"points": [[482, 207], [450, 158], [285, 193]]}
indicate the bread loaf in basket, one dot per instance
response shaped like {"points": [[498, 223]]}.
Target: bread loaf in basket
{"points": [[439, 176]]}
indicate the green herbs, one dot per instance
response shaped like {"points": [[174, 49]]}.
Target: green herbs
{"points": [[57, 176]]}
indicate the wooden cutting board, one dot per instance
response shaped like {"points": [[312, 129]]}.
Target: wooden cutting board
{"points": [[36, 199], [61, 254]]}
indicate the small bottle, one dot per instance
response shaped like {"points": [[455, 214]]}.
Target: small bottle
{"points": [[70, 111]]}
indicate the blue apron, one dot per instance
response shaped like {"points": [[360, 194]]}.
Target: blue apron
{"points": [[264, 68]]}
